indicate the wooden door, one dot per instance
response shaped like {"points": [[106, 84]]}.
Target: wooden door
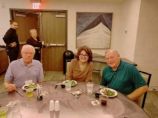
{"points": [[53, 33], [26, 20]]}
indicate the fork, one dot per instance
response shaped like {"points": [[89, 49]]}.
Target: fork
{"points": [[19, 93]]}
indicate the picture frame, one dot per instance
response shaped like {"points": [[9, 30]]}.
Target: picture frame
{"points": [[93, 29]]}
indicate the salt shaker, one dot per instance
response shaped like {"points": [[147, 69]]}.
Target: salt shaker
{"points": [[57, 109], [51, 108]]}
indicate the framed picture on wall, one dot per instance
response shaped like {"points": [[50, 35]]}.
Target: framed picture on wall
{"points": [[93, 29]]}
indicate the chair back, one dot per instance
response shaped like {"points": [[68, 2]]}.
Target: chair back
{"points": [[147, 77], [68, 55]]}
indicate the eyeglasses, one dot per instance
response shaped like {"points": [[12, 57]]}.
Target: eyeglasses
{"points": [[84, 55]]}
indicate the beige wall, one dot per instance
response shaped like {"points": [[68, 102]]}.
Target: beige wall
{"points": [[146, 51], [129, 22]]}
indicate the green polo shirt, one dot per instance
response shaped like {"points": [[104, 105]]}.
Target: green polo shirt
{"points": [[125, 79]]}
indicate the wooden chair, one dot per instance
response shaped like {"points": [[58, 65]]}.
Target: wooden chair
{"points": [[147, 77]]}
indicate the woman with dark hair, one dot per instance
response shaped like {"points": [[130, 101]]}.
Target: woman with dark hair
{"points": [[81, 68], [11, 40]]}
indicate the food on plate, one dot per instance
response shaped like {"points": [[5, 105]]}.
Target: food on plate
{"points": [[30, 86], [71, 82], [108, 92]]}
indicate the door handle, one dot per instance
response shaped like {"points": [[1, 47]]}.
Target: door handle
{"points": [[56, 44]]}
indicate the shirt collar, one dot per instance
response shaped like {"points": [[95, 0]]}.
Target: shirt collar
{"points": [[28, 65], [118, 68]]}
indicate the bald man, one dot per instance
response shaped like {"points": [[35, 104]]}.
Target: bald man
{"points": [[23, 69], [122, 76]]}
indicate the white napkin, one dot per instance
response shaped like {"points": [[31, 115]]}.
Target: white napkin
{"points": [[78, 92]]}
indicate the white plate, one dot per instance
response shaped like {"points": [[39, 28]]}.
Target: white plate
{"points": [[104, 92], [72, 82], [25, 87]]}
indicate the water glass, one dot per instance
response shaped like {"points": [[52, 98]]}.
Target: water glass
{"points": [[16, 114], [27, 82], [29, 92], [3, 112], [68, 86], [15, 110], [89, 86]]}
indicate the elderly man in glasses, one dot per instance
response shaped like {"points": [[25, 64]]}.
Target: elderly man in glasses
{"points": [[122, 76]]}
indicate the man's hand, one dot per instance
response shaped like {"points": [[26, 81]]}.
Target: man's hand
{"points": [[10, 87]]}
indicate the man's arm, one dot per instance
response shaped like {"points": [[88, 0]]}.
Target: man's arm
{"points": [[134, 96], [8, 79]]}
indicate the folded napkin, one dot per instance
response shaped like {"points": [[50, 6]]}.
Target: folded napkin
{"points": [[13, 103], [78, 92]]}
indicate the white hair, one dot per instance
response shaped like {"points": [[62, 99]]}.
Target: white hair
{"points": [[112, 51], [26, 47]]}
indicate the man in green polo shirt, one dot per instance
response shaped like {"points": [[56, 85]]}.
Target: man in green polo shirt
{"points": [[122, 76]]}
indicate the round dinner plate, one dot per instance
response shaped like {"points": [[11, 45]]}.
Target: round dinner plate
{"points": [[72, 82], [108, 92]]}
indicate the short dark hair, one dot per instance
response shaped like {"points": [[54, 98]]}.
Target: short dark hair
{"points": [[87, 50]]}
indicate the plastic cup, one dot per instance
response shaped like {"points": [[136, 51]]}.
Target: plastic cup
{"points": [[3, 112], [103, 102], [29, 92], [89, 86], [68, 86]]}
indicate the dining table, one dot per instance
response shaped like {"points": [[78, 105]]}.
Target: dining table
{"points": [[82, 105]]}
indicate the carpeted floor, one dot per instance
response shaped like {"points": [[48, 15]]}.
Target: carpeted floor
{"points": [[151, 105]]}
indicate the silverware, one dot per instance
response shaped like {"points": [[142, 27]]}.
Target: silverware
{"points": [[19, 93]]}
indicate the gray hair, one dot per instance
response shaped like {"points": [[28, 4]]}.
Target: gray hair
{"points": [[112, 51], [26, 47]]}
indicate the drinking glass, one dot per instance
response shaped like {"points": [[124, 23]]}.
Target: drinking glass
{"points": [[68, 86], [16, 112], [3, 112], [89, 86], [29, 92]]}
